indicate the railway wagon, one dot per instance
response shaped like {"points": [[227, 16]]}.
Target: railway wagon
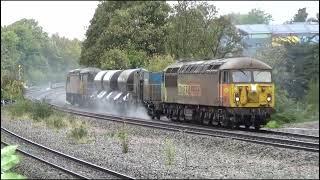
{"points": [[152, 92], [229, 92]]}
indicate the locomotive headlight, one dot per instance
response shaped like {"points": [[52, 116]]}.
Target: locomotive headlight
{"points": [[237, 99], [269, 98]]}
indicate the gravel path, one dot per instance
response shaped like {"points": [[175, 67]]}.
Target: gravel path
{"points": [[309, 128], [310, 125], [195, 156]]}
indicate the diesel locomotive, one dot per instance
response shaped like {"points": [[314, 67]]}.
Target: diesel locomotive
{"points": [[229, 92]]}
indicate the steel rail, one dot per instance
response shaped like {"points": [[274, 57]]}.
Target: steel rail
{"points": [[279, 142], [47, 162], [100, 168], [289, 134], [262, 131]]}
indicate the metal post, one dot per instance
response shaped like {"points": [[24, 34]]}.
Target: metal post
{"points": [[19, 72]]}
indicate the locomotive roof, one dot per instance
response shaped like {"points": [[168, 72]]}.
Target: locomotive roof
{"points": [[244, 63], [89, 70], [226, 63]]}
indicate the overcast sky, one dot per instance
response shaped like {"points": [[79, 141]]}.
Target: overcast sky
{"points": [[71, 18]]}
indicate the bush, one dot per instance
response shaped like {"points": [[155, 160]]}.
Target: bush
{"points": [[287, 110], [11, 89], [79, 132], [312, 98], [20, 107], [273, 124], [169, 152], [56, 121], [8, 160], [41, 110]]}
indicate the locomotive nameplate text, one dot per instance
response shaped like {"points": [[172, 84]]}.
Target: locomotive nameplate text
{"points": [[189, 90]]}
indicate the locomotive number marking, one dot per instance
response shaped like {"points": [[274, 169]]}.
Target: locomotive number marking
{"points": [[189, 90]]}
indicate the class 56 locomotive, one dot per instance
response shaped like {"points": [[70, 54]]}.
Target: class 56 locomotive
{"points": [[228, 92]]}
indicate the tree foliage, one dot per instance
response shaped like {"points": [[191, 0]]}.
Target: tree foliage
{"points": [[41, 57], [159, 62], [255, 16], [301, 15], [195, 31], [293, 66], [296, 76], [142, 30], [128, 26]]}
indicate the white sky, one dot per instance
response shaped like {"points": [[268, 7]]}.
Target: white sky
{"points": [[71, 18]]}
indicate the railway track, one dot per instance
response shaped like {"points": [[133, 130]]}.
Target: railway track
{"points": [[79, 168], [262, 132], [290, 134], [307, 144], [243, 136]]}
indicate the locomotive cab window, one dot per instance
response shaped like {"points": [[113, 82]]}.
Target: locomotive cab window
{"points": [[262, 76], [241, 76]]}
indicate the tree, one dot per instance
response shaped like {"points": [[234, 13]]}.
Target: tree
{"points": [[128, 26], [301, 16], [195, 31], [41, 57], [114, 59], [314, 19], [255, 16], [294, 66], [159, 63]]}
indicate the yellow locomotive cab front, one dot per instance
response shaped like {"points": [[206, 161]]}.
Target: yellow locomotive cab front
{"points": [[252, 95], [249, 89]]}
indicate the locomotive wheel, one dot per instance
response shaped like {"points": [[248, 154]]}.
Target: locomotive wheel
{"points": [[201, 117], [178, 115], [257, 127], [195, 117], [227, 124], [231, 123]]}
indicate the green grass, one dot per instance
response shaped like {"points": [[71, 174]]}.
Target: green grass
{"points": [[170, 151], [41, 110], [56, 121], [19, 108], [273, 124], [79, 132], [123, 136]]}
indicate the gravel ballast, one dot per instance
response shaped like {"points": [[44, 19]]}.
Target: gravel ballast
{"points": [[195, 156], [34, 169], [308, 128]]}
